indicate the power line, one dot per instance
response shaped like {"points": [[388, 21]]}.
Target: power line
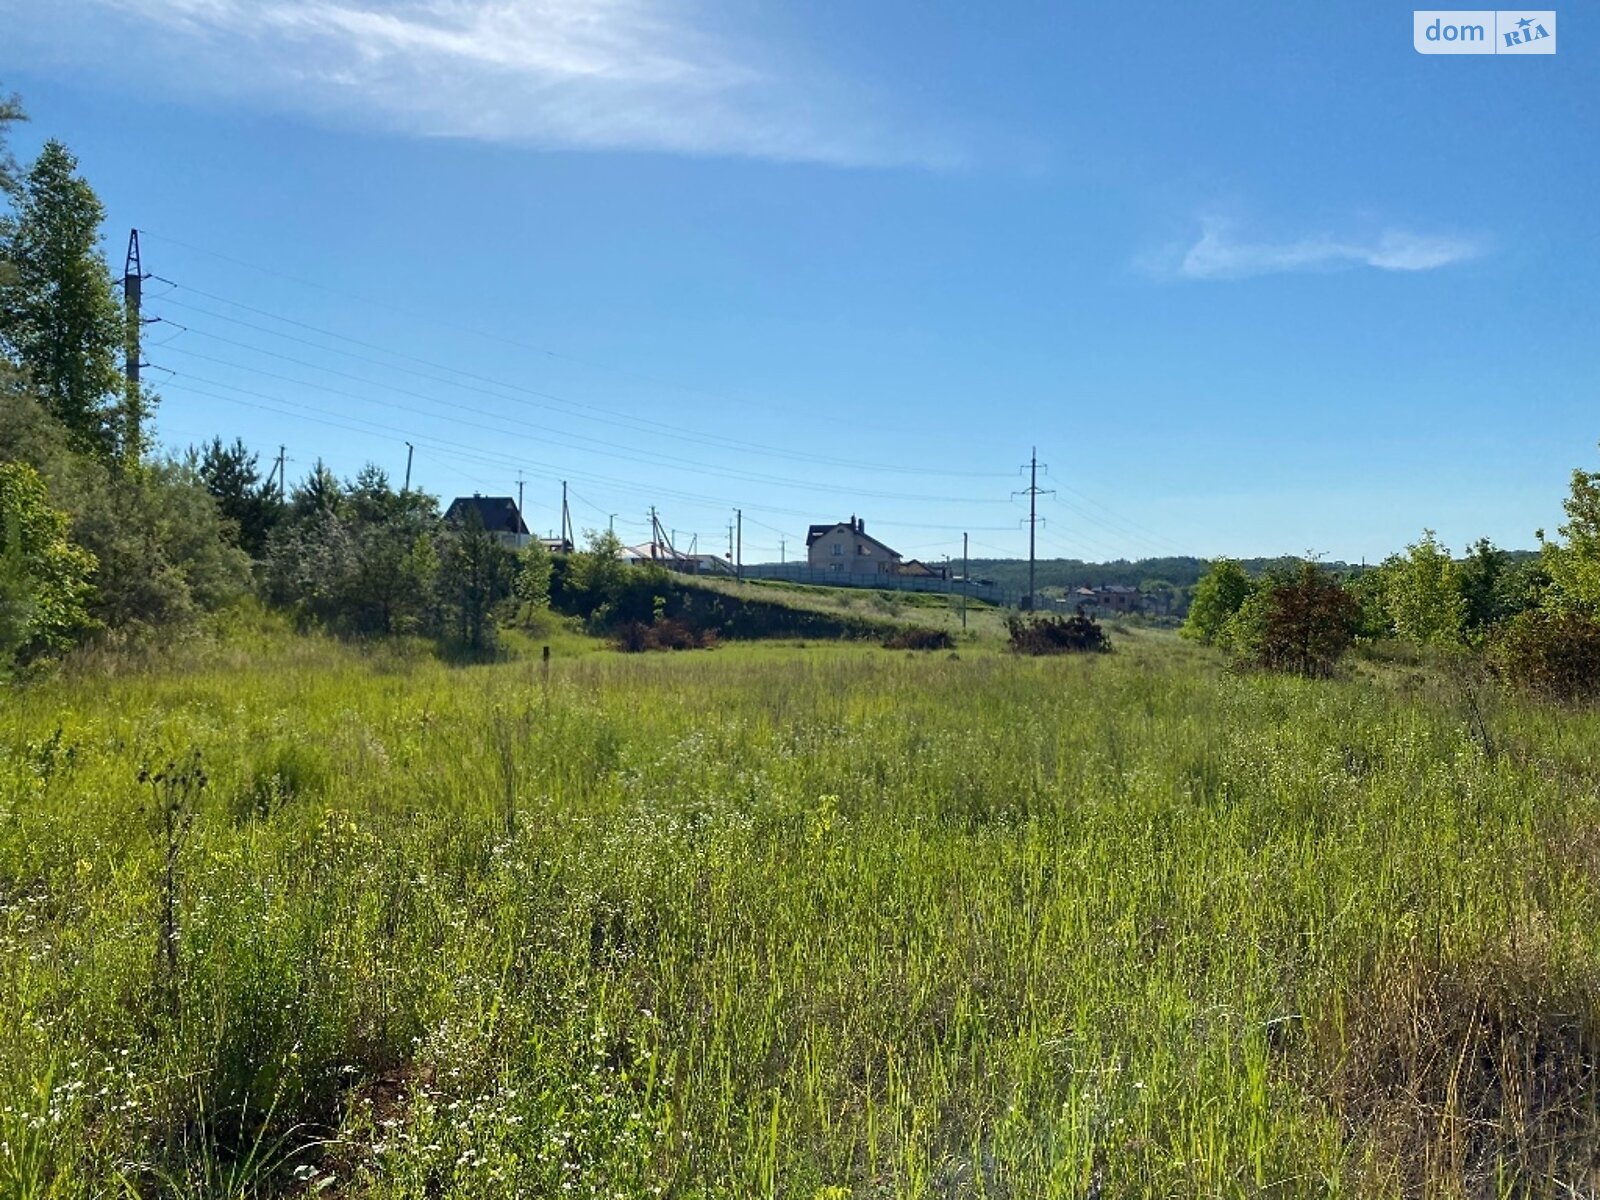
{"points": [[606, 447], [663, 429], [461, 451]]}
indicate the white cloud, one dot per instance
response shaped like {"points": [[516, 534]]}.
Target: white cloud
{"points": [[596, 74], [1221, 254]]}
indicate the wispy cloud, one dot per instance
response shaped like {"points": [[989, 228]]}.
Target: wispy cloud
{"points": [[601, 74], [1221, 253]]}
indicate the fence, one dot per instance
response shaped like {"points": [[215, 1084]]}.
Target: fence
{"points": [[803, 573]]}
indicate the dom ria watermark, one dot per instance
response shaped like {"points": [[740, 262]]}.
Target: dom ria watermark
{"points": [[1484, 31]]}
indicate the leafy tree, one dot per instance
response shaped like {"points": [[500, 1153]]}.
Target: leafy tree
{"points": [[474, 576], [58, 319], [1300, 620], [394, 562], [534, 568], [359, 557], [44, 578], [231, 475], [163, 551], [1219, 594], [1367, 588], [1574, 568], [1487, 589], [1423, 594]]}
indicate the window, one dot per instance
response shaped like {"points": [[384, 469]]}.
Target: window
{"points": [[838, 549]]}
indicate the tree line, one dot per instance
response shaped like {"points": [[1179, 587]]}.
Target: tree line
{"points": [[103, 538], [1533, 619]]}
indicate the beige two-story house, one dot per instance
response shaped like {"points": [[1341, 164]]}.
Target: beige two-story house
{"points": [[847, 549]]}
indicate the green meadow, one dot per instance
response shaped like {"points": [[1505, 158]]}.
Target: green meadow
{"points": [[283, 917]]}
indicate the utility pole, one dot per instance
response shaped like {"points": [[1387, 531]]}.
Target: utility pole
{"points": [[611, 523], [1033, 492], [133, 397], [966, 580], [519, 499], [566, 519], [410, 450], [281, 450], [738, 551], [782, 546]]}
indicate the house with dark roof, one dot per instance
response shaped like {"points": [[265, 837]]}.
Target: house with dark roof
{"points": [[846, 548], [498, 513]]}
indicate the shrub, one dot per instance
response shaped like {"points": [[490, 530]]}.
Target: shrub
{"points": [[1078, 634], [1422, 594], [1554, 654], [1217, 597], [919, 639], [44, 578], [664, 633], [1300, 621]]}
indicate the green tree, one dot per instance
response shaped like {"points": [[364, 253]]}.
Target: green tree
{"points": [[1574, 567], [595, 576], [1487, 589], [11, 112], [44, 577], [1422, 593], [534, 567], [474, 577], [1219, 594], [393, 564], [357, 558], [232, 476], [1300, 619], [58, 319]]}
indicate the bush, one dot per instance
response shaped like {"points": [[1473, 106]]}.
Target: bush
{"points": [[1078, 634], [1300, 621], [919, 639], [1553, 654], [664, 633], [1217, 597]]}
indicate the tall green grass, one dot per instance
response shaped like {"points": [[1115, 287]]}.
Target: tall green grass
{"points": [[817, 922]]}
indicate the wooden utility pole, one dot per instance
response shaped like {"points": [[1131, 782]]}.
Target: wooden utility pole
{"points": [[410, 450], [966, 580], [738, 546], [282, 493]]}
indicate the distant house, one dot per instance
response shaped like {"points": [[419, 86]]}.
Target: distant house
{"points": [[847, 549], [1120, 598], [498, 513]]}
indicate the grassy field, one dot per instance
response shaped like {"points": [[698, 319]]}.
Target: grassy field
{"points": [[816, 922]]}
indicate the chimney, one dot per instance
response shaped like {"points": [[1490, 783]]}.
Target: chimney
{"points": [[861, 526]]}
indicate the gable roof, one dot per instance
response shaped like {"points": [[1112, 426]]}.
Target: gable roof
{"points": [[854, 526], [499, 513]]}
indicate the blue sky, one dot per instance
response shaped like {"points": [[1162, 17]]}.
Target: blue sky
{"points": [[1255, 280]]}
